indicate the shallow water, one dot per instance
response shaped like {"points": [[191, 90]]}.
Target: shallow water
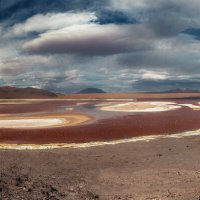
{"points": [[103, 126]]}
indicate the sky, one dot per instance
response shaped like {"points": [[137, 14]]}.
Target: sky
{"points": [[115, 45]]}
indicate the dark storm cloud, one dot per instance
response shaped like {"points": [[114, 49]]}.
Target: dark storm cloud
{"points": [[94, 46], [164, 18], [97, 40], [164, 85], [168, 60], [165, 25]]}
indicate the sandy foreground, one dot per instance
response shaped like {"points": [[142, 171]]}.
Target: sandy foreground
{"points": [[162, 169]]}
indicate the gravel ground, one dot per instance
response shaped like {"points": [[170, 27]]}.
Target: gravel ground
{"points": [[163, 169]]}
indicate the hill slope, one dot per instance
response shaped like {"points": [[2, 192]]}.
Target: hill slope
{"points": [[91, 91], [7, 92]]}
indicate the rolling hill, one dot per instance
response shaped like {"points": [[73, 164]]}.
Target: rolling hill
{"points": [[91, 91], [7, 92]]}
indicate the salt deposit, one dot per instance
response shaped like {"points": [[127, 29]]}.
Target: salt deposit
{"points": [[141, 107]]}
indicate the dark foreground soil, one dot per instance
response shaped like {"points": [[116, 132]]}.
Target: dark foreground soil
{"points": [[163, 169]]}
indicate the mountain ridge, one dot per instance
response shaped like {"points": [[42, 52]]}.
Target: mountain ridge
{"points": [[182, 90]]}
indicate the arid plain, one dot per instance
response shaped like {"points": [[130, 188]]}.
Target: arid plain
{"points": [[139, 145]]}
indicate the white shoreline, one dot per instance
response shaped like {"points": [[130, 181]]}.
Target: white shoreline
{"points": [[94, 144], [194, 107]]}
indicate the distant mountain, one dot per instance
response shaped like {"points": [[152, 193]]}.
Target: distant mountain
{"points": [[182, 90], [91, 91], [8, 92]]}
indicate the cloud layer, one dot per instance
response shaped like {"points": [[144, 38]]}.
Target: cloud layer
{"points": [[91, 39], [121, 45]]}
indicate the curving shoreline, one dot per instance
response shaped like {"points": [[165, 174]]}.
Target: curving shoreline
{"points": [[95, 144], [66, 124]]}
